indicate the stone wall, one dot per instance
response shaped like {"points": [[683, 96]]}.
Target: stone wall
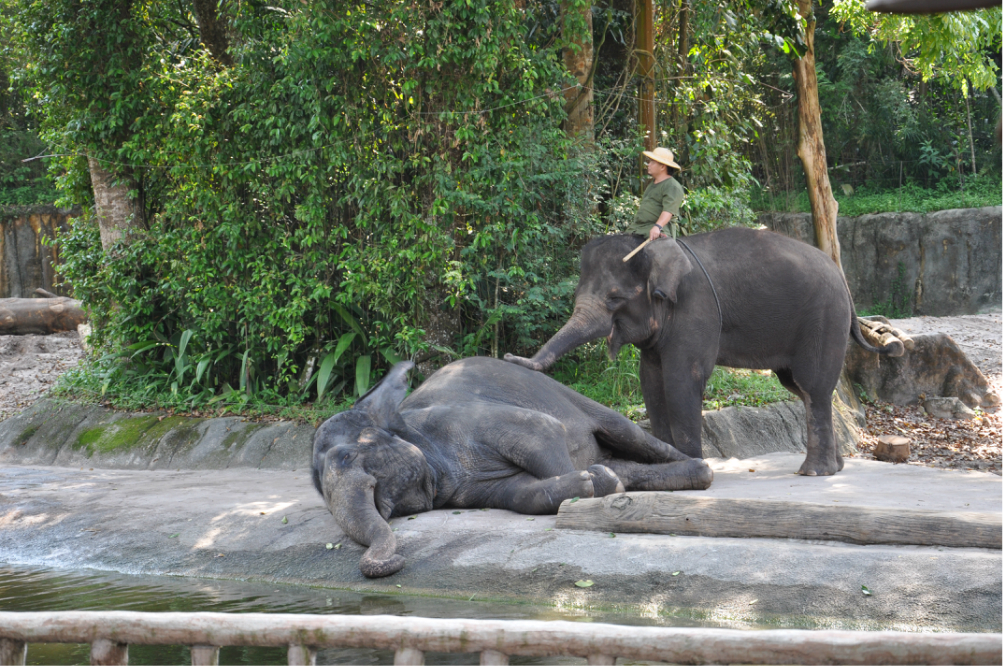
{"points": [[25, 262], [943, 263]]}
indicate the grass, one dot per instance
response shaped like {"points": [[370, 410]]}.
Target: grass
{"points": [[587, 370], [616, 384], [984, 190], [85, 384]]}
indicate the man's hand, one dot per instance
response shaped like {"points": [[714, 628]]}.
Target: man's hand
{"points": [[655, 233]]}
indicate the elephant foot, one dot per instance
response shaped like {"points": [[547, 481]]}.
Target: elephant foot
{"points": [[816, 467], [604, 481]]}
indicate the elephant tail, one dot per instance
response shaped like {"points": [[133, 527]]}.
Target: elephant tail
{"points": [[893, 347]]}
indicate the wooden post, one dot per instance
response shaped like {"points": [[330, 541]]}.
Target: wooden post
{"points": [[109, 653], [666, 513], [14, 652], [40, 316], [409, 657], [645, 49], [205, 655], [493, 658], [301, 655]]}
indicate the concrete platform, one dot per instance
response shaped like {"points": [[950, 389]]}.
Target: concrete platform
{"points": [[229, 524]]}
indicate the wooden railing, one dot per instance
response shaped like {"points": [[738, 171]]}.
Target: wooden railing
{"points": [[110, 634]]}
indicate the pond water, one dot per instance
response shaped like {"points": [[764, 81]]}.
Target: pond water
{"points": [[36, 589]]}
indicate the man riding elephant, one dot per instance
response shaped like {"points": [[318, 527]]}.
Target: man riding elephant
{"points": [[662, 197]]}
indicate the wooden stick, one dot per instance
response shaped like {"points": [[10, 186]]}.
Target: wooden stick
{"points": [[636, 250], [676, 645], [665, 513]]}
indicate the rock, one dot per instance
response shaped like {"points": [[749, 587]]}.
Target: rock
{"points": [[947, 408], [942, 263], [892, 448], [935, 366]]}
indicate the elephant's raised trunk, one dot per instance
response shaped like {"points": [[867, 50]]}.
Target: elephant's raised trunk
{"points": [[349, 496], [589, 321]]}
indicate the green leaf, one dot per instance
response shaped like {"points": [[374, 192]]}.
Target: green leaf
{"points": [[390, 356], [324, 374], [343, 344], [349, 319], [284, 520], [676, 573], [174, 536], [865, 590], [203, 364], [337, 546], [329, 546], [584, 583], [362, 374]]}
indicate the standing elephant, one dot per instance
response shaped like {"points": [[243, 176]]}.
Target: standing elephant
{"points": [[480, 433], [737, 297]]}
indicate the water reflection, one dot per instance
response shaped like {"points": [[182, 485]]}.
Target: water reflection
{"points": [[23, 589]]}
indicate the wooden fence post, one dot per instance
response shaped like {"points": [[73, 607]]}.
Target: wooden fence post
{"points": [[109, 653], [409, 657], [12, 652], [205, 655], [301, 655], [493, 658]]}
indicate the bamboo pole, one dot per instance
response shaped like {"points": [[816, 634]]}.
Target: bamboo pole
{"points": [[679, 645], [636, 250]]}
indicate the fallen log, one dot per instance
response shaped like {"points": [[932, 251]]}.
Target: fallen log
{"points": [[669, 513], [880, 333], [40, 316]]}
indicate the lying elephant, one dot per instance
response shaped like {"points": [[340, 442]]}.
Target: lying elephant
{"points": [[479, 433], [737, 297]]}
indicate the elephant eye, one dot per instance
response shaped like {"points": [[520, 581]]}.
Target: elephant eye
{"points": [[613, 302]]}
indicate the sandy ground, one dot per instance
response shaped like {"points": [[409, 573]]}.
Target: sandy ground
{"points": [[30, 364]]}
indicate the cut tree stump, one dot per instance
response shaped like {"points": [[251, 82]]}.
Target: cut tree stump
{"points": [[40, 316], [669, 513], [892, 448]]}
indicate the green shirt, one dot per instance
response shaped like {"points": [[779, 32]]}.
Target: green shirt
{"points": [[666, 195]]}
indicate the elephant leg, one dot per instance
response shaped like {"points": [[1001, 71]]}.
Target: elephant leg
{"points": [[823, 457], [689, 474], [653, 390], [524, 493], [530, 440], [684, 381]]}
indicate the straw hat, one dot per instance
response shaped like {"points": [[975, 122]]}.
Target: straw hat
{"points": [[662, 155]]}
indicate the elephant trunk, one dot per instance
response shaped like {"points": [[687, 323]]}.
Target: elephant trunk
{"points": [[349, 496], [589, 321]]}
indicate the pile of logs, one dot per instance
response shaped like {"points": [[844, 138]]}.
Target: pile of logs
{"points": [[40, 316]]}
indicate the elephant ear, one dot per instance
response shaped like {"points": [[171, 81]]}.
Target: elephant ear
{"points": [[382, 402], [669, 264]]}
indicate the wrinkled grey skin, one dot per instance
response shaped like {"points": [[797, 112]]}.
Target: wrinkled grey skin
{"points": [[784, 305], [480, 433]]}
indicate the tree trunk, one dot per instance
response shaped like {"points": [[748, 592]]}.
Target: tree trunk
{"points": [[645, 49], [578, 58], [212, 31], [40, 316], [811, 146], [117, 212]]}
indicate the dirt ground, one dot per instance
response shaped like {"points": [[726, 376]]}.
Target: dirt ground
{"points": [[30, 364]]}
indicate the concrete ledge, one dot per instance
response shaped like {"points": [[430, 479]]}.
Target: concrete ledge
{"points": [[229, 524], [52, 432]]}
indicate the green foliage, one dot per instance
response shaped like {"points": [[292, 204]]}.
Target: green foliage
{"points": [[985, 190], [616, 384], [368, 182], [954, 46]]}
